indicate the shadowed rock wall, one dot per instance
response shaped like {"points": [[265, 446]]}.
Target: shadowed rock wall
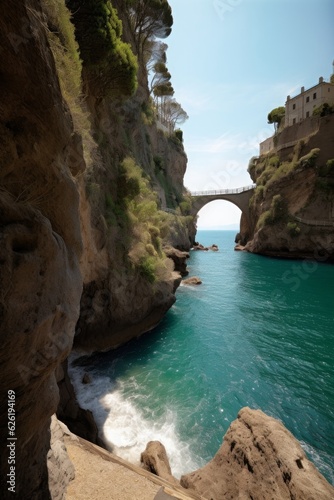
{"points": [[39, 244]]}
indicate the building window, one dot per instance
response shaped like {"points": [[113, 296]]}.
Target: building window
{"points": [[329, 89], [307, 114], [293, 106], [293, 121], [308, 98], [314, 95]]}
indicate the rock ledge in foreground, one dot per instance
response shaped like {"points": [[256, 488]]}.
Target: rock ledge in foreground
{"points": [[259, 459]]}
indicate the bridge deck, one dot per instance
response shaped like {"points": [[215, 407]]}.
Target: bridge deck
{"points": [[223, 191]]}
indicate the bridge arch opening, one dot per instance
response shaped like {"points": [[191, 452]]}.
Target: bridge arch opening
{"points": [[219, 214]]}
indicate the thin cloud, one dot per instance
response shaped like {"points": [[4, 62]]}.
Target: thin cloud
{"points": [[226, 143], [220, 144], [194, 100]]}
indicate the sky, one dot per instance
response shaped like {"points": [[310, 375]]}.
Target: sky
{"points": [[232, 62]]}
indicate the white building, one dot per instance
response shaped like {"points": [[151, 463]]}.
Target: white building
{"points": [[302, 105]]}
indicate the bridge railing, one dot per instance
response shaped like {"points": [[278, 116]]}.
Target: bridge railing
{"points": [[223, 191]]}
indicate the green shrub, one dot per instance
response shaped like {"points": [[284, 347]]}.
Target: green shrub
{"points": [[285, 169], [260, 168], [150, 249], [310, 159], [330, 166], [154, 231], [185, 207], [179, 134], [278, 208], [111, 64], [265, 219], [177, 139], [158, 163], [274, 161], [147, 268], [265, 176], [323, 110], [259, 194], [148, 114], [326, 170], [277, 212], [293, 229]]}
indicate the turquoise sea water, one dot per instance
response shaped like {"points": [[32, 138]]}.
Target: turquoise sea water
{"points": [[258, 332]]}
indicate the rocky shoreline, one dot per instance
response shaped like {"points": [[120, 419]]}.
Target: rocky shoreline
{"points": [[259, 458]]}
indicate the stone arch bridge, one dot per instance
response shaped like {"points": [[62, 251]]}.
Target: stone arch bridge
{"points": [[239, 197]]}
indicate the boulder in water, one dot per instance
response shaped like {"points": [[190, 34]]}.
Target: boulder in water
{"points": [[194, 280], [155, 460]]}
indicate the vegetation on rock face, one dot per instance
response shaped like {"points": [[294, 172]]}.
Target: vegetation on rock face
{"points": [[269, 169], [293, 229], [325, 180], [144, 226], [323, 110], [65, 49], [277, 212], [328, 169], [129, 204], [274, 202], [309, 160], [109, 61]]}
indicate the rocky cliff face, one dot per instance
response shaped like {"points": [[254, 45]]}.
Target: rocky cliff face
{"points": [[128, 282], [291, 212], [40, 245], [119, 301], [57, 186]]}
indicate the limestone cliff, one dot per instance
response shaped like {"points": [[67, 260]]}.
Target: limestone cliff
{"points": [[135, 172], [291, 212], [63, 183], [40, 246]]}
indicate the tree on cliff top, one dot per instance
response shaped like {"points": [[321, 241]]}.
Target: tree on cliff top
{"points": [[150, 19], [161, 80], [110, 63], [176, 114], [156, 53], [276, 116]]}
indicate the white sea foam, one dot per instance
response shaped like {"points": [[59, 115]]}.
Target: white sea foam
{"points": [[124, 428]]}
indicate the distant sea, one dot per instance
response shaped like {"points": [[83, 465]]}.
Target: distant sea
{"points": [[258, 332]]}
